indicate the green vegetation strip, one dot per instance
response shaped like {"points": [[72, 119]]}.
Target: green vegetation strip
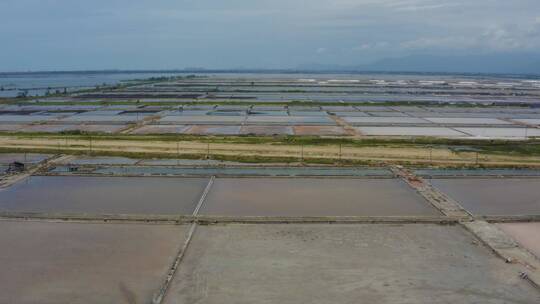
{"points": [[525, 148], [482, 148]]}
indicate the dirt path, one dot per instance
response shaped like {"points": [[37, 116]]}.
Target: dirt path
{"points": [[330, 152]]}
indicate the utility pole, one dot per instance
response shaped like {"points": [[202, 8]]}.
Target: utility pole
{"points": [[177, 152], [302, 153], [340, 153]]}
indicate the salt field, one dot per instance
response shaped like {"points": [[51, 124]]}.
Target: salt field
{"points": [[482, 110], [468, 121], [501, 132], [214, 130], [494, 196], [267, 130], [526, 234], [385, 120], [44, 262], [495, 172], [328, 207], [499, 114], [312, 197], [467, 124], [103, 195], [346, 88], [108, 232], [341, 264], [319, 130], [270, 152], [410, 131], [425, 121]]}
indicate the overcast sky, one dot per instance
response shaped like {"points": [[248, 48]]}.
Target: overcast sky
{"points": [[167, 34]]}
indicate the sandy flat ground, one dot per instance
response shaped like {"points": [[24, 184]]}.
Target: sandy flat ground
{"points": [[50, 263], [395, 264]]}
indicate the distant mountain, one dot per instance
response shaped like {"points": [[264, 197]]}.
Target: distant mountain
{"points": [[494, 63], [472, 64]]}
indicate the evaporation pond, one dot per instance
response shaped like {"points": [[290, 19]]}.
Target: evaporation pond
{"points": [[526, 234], [103, 195], [314, 197], [320, 264], [78, 263], [491, 196]]}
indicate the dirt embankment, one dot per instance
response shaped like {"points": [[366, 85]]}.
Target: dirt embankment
{"points": [[386, 153]]}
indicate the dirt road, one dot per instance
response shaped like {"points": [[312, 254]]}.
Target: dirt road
{"points": [[235, 150]]}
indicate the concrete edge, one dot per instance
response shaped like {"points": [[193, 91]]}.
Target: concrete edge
{"points": [[210, 219], [509, 218]]}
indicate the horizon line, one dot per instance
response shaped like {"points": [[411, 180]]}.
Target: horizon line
{"points": [[253, 70]]}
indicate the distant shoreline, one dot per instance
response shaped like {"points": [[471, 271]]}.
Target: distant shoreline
{"points": [[263, 71]]}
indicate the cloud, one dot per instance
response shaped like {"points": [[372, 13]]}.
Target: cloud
{"points": [[371, 46], [55, 34], [496, 38], [421, 5]]}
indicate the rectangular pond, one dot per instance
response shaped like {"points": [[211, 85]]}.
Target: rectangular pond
{"points": [[161, 129], [526, 234], [388, 264], [206, 119], [45, 262], [213, 130], [290, 120], [491, 196], [384, 120], [99, 128], [467, 121], [410, 131], [319, 131], [314, 197], [476, 172], [501, 132], [103, 195], [103, 119], [266, 130]]}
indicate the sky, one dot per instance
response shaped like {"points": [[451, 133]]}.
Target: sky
{"points": [[219, 34]]}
